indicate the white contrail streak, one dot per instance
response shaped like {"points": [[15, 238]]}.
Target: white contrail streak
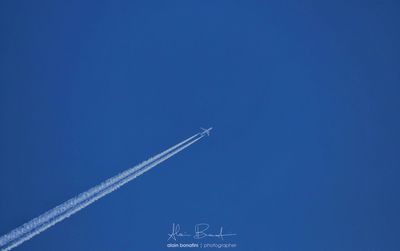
{"points": [[81, 197], [66, 209]]}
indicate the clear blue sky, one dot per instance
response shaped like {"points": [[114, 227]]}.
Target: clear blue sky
{"points": [[303, 97]]}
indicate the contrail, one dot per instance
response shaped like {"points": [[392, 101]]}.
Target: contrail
{"points": [[66, 209], [81, 197], [73, 210]]}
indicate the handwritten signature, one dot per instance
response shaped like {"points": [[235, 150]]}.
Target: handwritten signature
{"points": [[200, 232]]}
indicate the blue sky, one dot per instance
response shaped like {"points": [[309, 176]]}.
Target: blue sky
{"points": [[302, 95]]}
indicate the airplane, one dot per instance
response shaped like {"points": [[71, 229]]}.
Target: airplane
{"points": [[206, 131]]}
